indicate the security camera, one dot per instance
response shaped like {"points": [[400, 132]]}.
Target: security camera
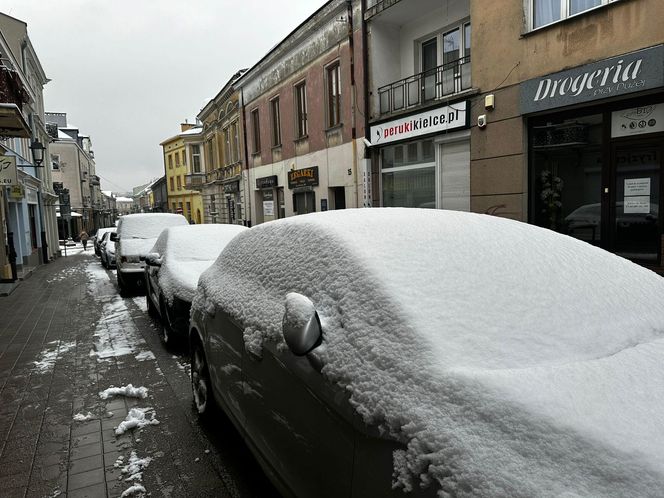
{"points": [[481, 121]]}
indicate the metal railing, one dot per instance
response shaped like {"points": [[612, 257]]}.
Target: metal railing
{"points": [[425, 87], [194, 181]]}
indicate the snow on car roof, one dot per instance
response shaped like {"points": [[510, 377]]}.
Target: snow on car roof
{"points": [[509, 358], [188, 251], [148, 225]]}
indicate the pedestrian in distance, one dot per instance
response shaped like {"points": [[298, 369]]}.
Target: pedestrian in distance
{"points": [[84, 239]]}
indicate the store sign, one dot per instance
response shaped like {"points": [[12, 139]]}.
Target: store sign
{"points": [[622, 75], [268, 208], [637, 121], [231, 188], [449, 117], [17, 192], [267, 182], [31, 196], [8, 175], [307, 177]]}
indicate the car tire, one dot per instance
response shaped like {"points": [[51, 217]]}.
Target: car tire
{"points": [[166, 330], [122, 286], [201, 386]]}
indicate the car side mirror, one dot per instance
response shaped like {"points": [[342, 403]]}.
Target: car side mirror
{"points": [[153, 259], [114, 237], [301, 325]]}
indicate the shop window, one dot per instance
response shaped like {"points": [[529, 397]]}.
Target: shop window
{"points": [[566, 175], [408, 178], [33, 225]]}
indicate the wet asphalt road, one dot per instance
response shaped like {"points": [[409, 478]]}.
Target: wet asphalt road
{"points": [[66, 335]]}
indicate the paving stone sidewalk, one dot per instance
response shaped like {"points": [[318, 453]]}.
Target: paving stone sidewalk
{"points": [[65, 336]]}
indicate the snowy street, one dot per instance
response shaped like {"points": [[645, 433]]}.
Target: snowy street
{"points": [[92, 404]]}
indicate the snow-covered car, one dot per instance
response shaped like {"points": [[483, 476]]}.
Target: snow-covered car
{"points": [[371, 351], [174, 264], [107, 250], [135, 236], [98, 238]]}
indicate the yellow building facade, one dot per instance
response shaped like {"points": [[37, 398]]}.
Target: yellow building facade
{"points": [[180, 153]]}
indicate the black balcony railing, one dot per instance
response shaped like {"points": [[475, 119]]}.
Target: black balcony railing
{"points": [[425, 87]]}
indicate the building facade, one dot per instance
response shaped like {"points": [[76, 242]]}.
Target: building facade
{"points": [[303, 116], [568, 132], [178, 168], [27, 200], [73, 168], [418, 104], [218, 166]]}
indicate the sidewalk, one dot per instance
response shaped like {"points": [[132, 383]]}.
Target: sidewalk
{"points": [[65, 336]]}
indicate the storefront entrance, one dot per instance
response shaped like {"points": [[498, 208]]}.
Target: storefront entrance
{"points": [[634, 224]]}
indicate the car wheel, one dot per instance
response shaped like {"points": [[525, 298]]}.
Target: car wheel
{"points": [[167, 335], [152, 309], [200, 380], [121, 285]]}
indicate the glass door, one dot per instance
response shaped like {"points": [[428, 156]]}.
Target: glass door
{"points": [[634, 221]]}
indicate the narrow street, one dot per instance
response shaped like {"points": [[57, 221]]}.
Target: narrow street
{"points": [[66, 336]]}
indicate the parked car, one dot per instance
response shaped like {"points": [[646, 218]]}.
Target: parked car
{"points": [[369, 352], [99, 236], [174, 264], [107, 250], [134, 238]]}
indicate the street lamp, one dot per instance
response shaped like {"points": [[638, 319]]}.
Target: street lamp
{"points": [[38, 149]]}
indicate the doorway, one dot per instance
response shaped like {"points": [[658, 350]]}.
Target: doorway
{"points": [[635, 227]]}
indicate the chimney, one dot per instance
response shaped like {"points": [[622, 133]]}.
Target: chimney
{"points": [[186, 126]]}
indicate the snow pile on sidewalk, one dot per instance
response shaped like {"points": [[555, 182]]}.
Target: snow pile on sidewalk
{"points": [[133, 490], [136, 418], [48, 357], [128, 391], [135, 467], [508, 359], [79, 417], [115, 334]]}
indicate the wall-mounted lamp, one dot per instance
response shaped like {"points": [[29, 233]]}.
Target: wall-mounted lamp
{"points": [[37, 149]]}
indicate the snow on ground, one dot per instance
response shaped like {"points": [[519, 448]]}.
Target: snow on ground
{"points": [[62, 275], [508, 359], [77, 250], [80, 417], [115, 334], [47, 358], [140, 303], [136, 418], [145, 355], [134, 469], [133, 490], [128, 391]]}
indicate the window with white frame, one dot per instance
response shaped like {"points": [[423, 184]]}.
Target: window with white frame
{"points": [[301, 110], [543, 12], [196, 158]]}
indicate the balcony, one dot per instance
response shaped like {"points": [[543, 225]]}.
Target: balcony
{"points": [[424, 88], [194, 181]]}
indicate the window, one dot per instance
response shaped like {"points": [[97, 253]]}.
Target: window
{"points": [[170, 161], [179, 182], [174, 209], [55, 162], [256, 131], [227, 145], [196, 158], [184, 158], [301, 109], [177, 159], [333, 95], [275, 119], [545, 12], [235, 148], [210, 155], [188, 209], [172, 184]]}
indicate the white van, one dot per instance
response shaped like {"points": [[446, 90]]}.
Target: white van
{"points": [[136, 235]]}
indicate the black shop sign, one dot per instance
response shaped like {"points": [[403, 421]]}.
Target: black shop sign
{"points": [[307, 177]]}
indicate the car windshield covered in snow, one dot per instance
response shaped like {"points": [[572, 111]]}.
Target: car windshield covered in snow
{"points": [[502, 355]]}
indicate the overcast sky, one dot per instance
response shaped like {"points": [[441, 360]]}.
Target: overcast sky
{"points": [[127, 73]]}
